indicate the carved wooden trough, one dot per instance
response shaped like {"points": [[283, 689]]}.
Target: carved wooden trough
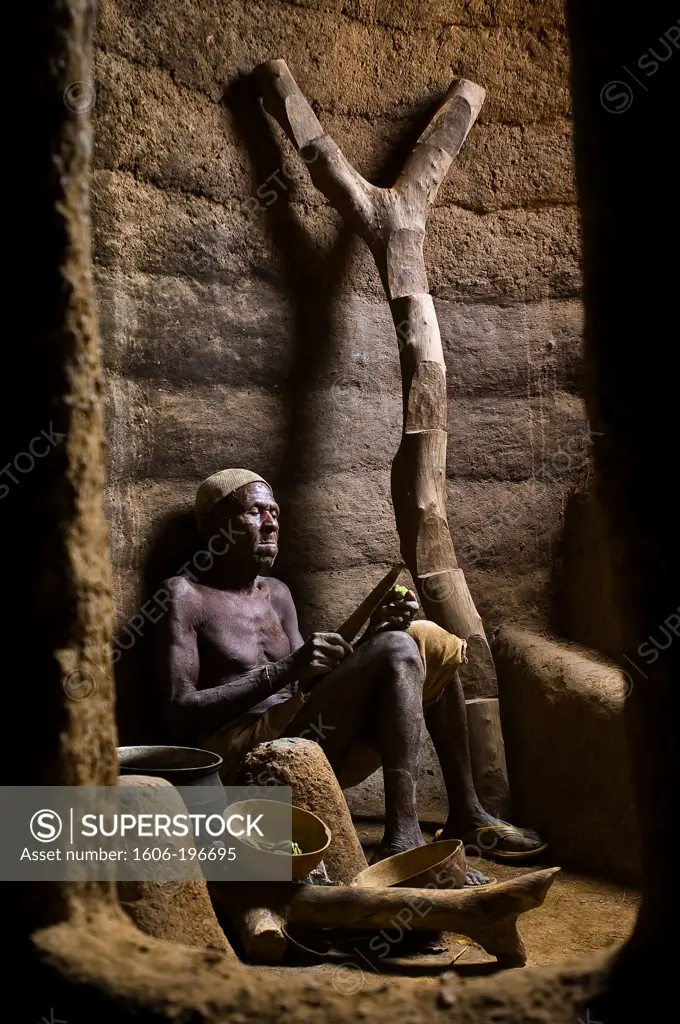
{"points": [[487, 915]]}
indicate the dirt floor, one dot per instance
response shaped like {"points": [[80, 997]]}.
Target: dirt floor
{"points": [[579, 915]]}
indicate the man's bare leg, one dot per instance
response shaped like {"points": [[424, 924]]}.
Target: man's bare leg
{"points": [[446, 721], [375, 693]]}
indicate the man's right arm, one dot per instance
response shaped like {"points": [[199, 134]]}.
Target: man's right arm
{"points": [[191, 712]]}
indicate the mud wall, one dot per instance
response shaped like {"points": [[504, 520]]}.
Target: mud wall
{"points": [[241, 325]]}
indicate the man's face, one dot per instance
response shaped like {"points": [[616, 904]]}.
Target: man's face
{"points": [[252, 517]]}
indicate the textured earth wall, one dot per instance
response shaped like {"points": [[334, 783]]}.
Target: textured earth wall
{"points": [[242, 326]]}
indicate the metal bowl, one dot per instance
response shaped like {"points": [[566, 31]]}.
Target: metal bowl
{"points": [[195, 772], [183, 766]]}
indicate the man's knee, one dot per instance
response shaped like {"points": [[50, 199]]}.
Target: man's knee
{"points": [[399, 650]]}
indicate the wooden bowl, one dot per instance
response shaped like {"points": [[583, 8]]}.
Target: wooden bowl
{"points": [[435, 866], [313, 836], [308, 831]]}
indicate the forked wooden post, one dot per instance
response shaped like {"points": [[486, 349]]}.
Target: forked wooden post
{"points": [[392, 223]]}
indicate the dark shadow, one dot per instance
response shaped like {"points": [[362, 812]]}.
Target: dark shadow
{"points": [[310, 278], [477, 970], [172, 544]]}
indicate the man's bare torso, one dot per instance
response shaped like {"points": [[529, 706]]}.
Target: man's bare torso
{"points": [[237, 632]]}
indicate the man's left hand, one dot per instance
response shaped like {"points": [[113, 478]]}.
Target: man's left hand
{"points": [[396, 612]]}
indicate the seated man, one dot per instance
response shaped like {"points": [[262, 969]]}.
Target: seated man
{"points": [[235, 672]]}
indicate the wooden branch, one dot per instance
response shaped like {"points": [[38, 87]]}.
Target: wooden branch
{"points": [[261, 933], [282, 98], [427, 164], [487, 754], [331, 172], [392, 222]]}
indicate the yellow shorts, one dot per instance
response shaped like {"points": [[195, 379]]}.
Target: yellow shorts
{"points": [[441, 653]]}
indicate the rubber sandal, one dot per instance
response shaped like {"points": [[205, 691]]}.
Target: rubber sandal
{"points": [[504, 831]]}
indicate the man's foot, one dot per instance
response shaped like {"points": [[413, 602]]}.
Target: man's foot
{"points": [[490, 837], [397, 844], [475, 877]]}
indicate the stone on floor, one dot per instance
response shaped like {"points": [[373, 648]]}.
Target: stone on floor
{"points": [[180, 911], [302, 765]]}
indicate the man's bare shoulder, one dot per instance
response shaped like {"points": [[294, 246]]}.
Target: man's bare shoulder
{"points": [[278, 591], [184, 597], [275, 586]]}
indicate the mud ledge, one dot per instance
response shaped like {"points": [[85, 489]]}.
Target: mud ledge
{"points": [[106, 965], [562, 708]]}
